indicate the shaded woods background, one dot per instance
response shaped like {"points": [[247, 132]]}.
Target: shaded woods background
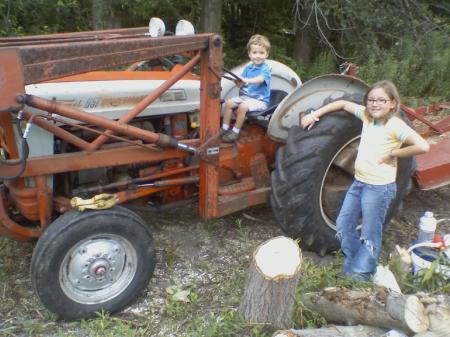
{"points": [[403, 40]]}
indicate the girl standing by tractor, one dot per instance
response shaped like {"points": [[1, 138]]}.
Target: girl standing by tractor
{"points": [[373, 187]]}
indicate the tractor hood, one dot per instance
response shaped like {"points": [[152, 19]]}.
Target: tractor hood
{"points": [[111, 94]]}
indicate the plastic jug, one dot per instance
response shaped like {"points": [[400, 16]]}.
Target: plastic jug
{"points": [[427, 227]]}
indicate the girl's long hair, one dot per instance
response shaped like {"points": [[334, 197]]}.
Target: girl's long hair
{"points": [[391, 91]]}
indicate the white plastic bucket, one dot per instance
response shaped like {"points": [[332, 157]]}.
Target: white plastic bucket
{"points": [[422, 260]]}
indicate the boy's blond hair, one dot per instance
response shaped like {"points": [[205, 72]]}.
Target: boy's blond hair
{"points": [[259, 40]]}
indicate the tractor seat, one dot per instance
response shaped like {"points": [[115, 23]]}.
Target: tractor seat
{"points": [[276, 96]]}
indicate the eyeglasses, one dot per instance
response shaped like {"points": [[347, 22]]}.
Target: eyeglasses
{"points": [[381, 101]]}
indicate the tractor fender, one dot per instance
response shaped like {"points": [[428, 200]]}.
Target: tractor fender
{"points": [[312, 95], [283, 78]]}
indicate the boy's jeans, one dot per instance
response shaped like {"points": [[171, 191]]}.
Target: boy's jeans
{"points": [[370, 202]]}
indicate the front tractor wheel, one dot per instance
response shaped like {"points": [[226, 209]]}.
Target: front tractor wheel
{"points": [[91, 261], [313, 172]]}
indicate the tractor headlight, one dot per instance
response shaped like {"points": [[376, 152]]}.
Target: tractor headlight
{"points": [[184, 27], [156, 27]]}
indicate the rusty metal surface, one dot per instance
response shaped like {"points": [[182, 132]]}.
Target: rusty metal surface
{"points": [[10, 228], [35, 59], [57, 131], [151, 97], [245, 185], [129, 195], [103, 122], [53, 60], [210, 65], [44, 195], [11, 80], [76, 161], [25, 200], [433, 167], [142, 180], [41, 58], [260, 170], [414, 115], [118, 33], [232, 203], [6, 129]]}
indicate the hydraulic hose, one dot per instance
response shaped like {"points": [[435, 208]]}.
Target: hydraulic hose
{"points": [[24, 150]]}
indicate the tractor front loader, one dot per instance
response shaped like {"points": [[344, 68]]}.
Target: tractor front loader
{"points": [[76, 142]]}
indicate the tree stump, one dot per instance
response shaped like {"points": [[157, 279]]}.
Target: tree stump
{"points": [[269, 294]]}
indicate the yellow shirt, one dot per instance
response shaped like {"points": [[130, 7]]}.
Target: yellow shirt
{"points": [[376, 141]]}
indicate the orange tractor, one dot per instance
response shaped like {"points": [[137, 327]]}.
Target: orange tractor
{"points": [[77, 142]]}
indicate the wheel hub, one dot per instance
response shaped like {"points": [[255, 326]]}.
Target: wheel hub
{"points": [[98, 268], [100, 271], [95, 264]]}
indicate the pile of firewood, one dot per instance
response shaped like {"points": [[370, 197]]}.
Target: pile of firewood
{"points": [[270, 293]]}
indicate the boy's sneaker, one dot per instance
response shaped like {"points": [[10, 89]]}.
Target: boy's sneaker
{"points": [[230, 137], [223, 132]]}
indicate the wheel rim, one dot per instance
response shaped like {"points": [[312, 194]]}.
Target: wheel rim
{"points": [[98, 269], [337, 179]]}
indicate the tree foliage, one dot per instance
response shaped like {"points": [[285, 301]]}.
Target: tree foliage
{"points": [[404, 40]]}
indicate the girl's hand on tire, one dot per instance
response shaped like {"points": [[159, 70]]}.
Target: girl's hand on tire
{"points": [[309, 120]]}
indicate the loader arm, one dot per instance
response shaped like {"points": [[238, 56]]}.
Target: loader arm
{"points": [[30, 60]]}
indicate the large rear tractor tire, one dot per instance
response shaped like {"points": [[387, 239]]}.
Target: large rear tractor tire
{"points": [[91, 261], [313, 172]]}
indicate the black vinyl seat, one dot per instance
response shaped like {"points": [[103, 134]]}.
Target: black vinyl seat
{"points": [[276, 96]]}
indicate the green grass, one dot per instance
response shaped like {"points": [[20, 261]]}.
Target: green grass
{"points": [[213, 301]]}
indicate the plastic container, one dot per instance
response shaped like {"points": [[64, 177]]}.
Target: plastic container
{"points": [[427, 227], [384, 277], [423, 258]]}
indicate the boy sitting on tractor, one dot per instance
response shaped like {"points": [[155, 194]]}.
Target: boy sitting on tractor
{"points": [[254, 91]]}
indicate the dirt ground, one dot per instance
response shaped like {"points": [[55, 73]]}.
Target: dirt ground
{"points": [[207, 260]]}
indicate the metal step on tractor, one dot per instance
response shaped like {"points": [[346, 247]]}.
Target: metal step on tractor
{"points": [[78, 144]]}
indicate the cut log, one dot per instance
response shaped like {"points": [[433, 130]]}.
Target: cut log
{"points": [[437, 308], [269, 294], [378, 307], [334, 331]]}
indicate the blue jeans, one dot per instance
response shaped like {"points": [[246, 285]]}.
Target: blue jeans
{"points": [[370, 202]]}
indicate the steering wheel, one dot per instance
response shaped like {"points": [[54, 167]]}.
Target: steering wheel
{"points": [[233, 77], [158, 62]]}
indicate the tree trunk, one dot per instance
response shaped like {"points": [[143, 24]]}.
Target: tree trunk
{"points": [[211, 16], [269, 294], [334, 331], [302, 46], [376, 308], [302, 50], [102, 17]]}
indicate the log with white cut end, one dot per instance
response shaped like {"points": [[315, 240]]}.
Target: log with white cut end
{"points": [[269, 294], [378, 307], [437, 308]]}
